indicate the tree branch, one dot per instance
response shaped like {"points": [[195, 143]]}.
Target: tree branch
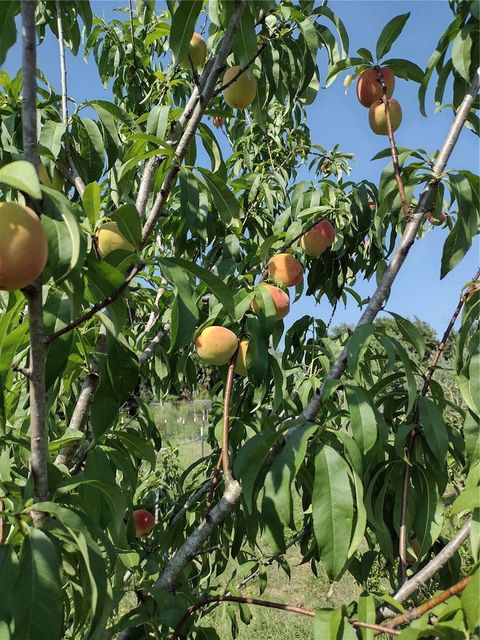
{"points": [[242, 600], [227, 401], [190, 501], [75, 177], [358, 624], [428, 605], [38, 430], [154, 342]]}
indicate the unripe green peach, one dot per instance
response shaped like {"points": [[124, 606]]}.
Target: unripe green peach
{"points": [[377, 117], [280, 300], [315, 241], [241, 362], [241, 93], [23, 246], [110, 239], [286, 270], [197, 53], [216, 345], [369, 86]]}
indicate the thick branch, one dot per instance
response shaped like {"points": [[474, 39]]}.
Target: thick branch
{"points": [[154, 342], [242, 600], [432, 567]]}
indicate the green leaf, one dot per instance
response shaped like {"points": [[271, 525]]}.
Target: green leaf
{"points": [[189, 199], [471, 429], [410, 332], [332, 508], [363, 417], [429, 512], [405, 69], [223, 199], [244, 44], [157, 122], [129, 223], [340, 66], [91, 201], [22, 175], [434, 428], [470, 603], [9, 567], [462, 50], [357, 345], [461, 236], [37, 593], [327, 623], [13, 335], [279, 479], [8, 30], [213, 282], [390, 33], [366, 613], [183, 26]]}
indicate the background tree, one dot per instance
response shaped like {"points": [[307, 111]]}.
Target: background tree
{"points": [[150, 252]]}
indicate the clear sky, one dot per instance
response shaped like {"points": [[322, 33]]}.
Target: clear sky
{"points": [[338, 118]]}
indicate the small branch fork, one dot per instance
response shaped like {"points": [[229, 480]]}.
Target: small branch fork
{"points": [[389, 628], [403, 532], [393, 146]]}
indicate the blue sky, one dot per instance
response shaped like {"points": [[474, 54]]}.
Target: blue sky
{"points": [[338, 118]]}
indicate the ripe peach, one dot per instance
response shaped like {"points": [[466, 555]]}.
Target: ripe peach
{"points": [[144, 522], [315, 241], [216, 345], [218, 121], [241, 93], [23, 246], [286, 270], [436, 222], [377, 117], [241, 363], [369, 86], [110, 239], [196, 53], [280, 299]]}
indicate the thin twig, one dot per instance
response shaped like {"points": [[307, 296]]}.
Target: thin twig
{"points": [[23, 370], [243, 69], [152, 345], [242, 600], [75, 176], [358, 624], [428, 605], [227, 402], [98, 306], [393, 146]]}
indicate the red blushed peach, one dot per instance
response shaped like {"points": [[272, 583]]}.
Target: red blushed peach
{"points": [[315, 241], [144, 522], [377, 118], [286, 270], [216, 345], [436, 222], [369, 86], [280, 299]]}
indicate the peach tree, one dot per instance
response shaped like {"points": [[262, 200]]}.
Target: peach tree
{"points": [[179, 231]]}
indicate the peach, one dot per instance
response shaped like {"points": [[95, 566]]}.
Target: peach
{"points": [[218, 121], [286, 270], [436, 222], [280, 299], [110, 239], [23, 246], [315, 241], [369, 86], [241, 362], [197, 53], [216, 345], [377, 117], [241, 93], [144, 522]]}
